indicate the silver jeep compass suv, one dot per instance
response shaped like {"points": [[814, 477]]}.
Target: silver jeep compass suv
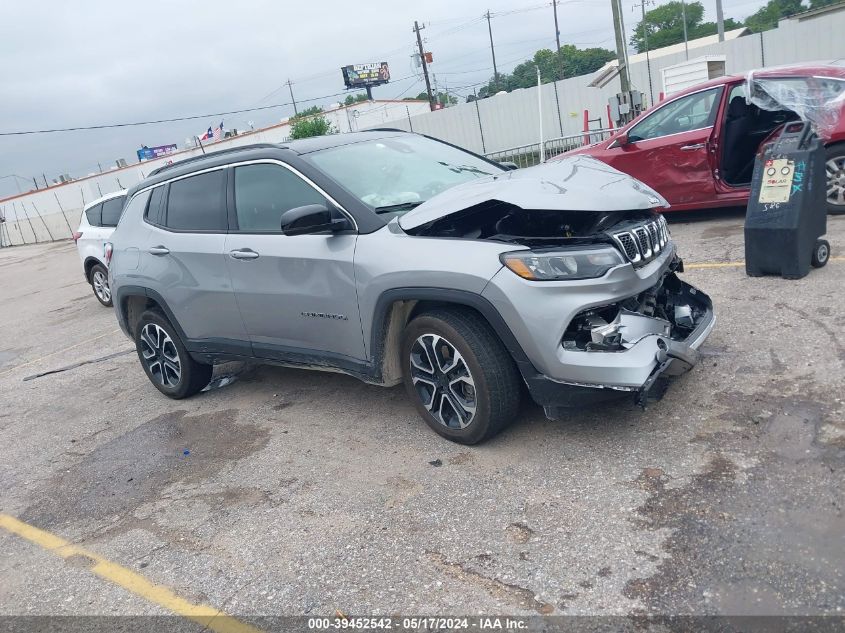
{"points": [[395, 257]]}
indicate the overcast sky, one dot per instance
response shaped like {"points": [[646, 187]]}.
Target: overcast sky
{"points": [[65, 64]]}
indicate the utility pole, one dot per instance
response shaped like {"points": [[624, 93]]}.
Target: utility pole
{"points": [[684, 18], [493, 52], [621, 54], [417, 29], [720, 21], [290, 87], [540, 113], [644, 26], [557, 39]]}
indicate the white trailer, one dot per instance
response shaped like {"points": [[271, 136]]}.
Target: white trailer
{"points": [[695, 71]]}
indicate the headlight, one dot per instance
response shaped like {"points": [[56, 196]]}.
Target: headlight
{"points": [[560, 264]]}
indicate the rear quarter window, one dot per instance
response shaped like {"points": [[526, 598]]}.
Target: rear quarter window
{"points": [[154, 212], [94, 215], [112, 210]]}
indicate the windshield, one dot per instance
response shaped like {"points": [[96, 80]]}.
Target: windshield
{"points": [[816, 99], [393, 175]]}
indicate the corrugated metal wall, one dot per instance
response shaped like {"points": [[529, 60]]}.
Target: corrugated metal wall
{"points": [[511, 120], [490, 125]]}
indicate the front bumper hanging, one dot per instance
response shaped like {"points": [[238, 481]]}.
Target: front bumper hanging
{"points": [[637, 350]]}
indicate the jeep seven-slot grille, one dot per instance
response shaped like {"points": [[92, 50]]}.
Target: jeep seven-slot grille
{"points": [[644, 242]]}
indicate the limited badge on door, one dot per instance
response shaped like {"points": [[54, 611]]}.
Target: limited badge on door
{"points": [[777, 181]]}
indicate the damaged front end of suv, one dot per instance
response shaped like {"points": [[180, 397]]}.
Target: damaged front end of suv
{"points": [[589, 286]]}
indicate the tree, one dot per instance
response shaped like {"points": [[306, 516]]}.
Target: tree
{"points": [[307, 112], [818, 4], [305, 128], [569, 61], [442, 98], [665, 25], [353, 99], [767, 16], [309, 122]]}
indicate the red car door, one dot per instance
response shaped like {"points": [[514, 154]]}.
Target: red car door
{"points": [[669, 149]]}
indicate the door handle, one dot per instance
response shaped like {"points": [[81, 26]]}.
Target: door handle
{"points": [[689, 148], [244, 253], [159, 250]]}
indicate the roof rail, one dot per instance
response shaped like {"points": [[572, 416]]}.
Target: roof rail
{"points": [[228, 150], [386, 129]]}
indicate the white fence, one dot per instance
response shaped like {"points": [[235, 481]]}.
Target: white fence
{"points": [[53, 213], [507, 121], [494, 126]]}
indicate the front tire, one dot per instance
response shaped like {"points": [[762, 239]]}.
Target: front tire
{"points": [[99, 278], [460, 377], [165, 360]]}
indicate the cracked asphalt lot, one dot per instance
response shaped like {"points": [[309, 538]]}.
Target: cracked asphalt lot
{"points": [[294, 492]]}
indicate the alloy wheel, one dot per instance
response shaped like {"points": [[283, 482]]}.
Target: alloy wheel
{"points": [[101, 286], [160, 355], [835, 168], [443, 381]]}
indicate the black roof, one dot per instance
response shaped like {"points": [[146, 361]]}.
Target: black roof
{"points": [[260, 150]]}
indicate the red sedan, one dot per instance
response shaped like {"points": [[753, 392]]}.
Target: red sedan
{"points": [[697, 148]]}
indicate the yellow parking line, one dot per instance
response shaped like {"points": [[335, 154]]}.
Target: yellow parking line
{"points": [[735, 264], [58, 351], [202, 614], [713, 265]]}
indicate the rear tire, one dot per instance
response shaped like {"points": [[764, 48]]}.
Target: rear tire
{"points": [[821, 253], [470, 389], [165, 360], [99, 278]]}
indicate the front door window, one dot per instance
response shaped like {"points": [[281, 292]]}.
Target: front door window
{"points": [[693, 112]]}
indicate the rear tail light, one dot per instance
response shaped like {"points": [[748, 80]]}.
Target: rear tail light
{"points": [[77, 235], [108, 249]]}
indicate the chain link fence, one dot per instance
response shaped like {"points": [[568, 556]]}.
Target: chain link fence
{"points": [[528, 155]]}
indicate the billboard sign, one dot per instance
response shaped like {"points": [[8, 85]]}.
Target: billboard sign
{"points": [[363, 75], [148, 153]]}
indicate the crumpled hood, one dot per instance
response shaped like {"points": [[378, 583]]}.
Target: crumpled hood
{"points": [[577, 183]]}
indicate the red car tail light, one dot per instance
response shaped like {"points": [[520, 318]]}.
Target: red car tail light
{"points": [[77, 235], [108, 249]]}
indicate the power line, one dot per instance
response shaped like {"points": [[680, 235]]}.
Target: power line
{"points": [[106, 126]]}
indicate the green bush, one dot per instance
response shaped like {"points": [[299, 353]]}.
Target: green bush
{"points": [[312, 126]]}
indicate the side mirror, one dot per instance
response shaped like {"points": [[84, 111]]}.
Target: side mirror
{"points": [[312, 218], [509, 165], [621, 140]]}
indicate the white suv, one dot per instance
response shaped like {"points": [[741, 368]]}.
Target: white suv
{"points": [[95, 228]]}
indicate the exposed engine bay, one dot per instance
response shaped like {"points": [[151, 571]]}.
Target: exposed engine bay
{"points": [[504, 222], [671, 309]]}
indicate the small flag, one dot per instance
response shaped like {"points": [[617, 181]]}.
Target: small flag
{"points": [[209, 134], [218, 132]]}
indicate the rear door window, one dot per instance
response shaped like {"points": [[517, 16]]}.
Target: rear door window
{"points": [[198, 203], [112, 210], [263, 192], [94, 215]]}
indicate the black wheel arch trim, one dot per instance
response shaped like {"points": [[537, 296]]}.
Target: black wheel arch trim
{"points": [[124, 292], [448, 296], [89, 264], [213, 348]]}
